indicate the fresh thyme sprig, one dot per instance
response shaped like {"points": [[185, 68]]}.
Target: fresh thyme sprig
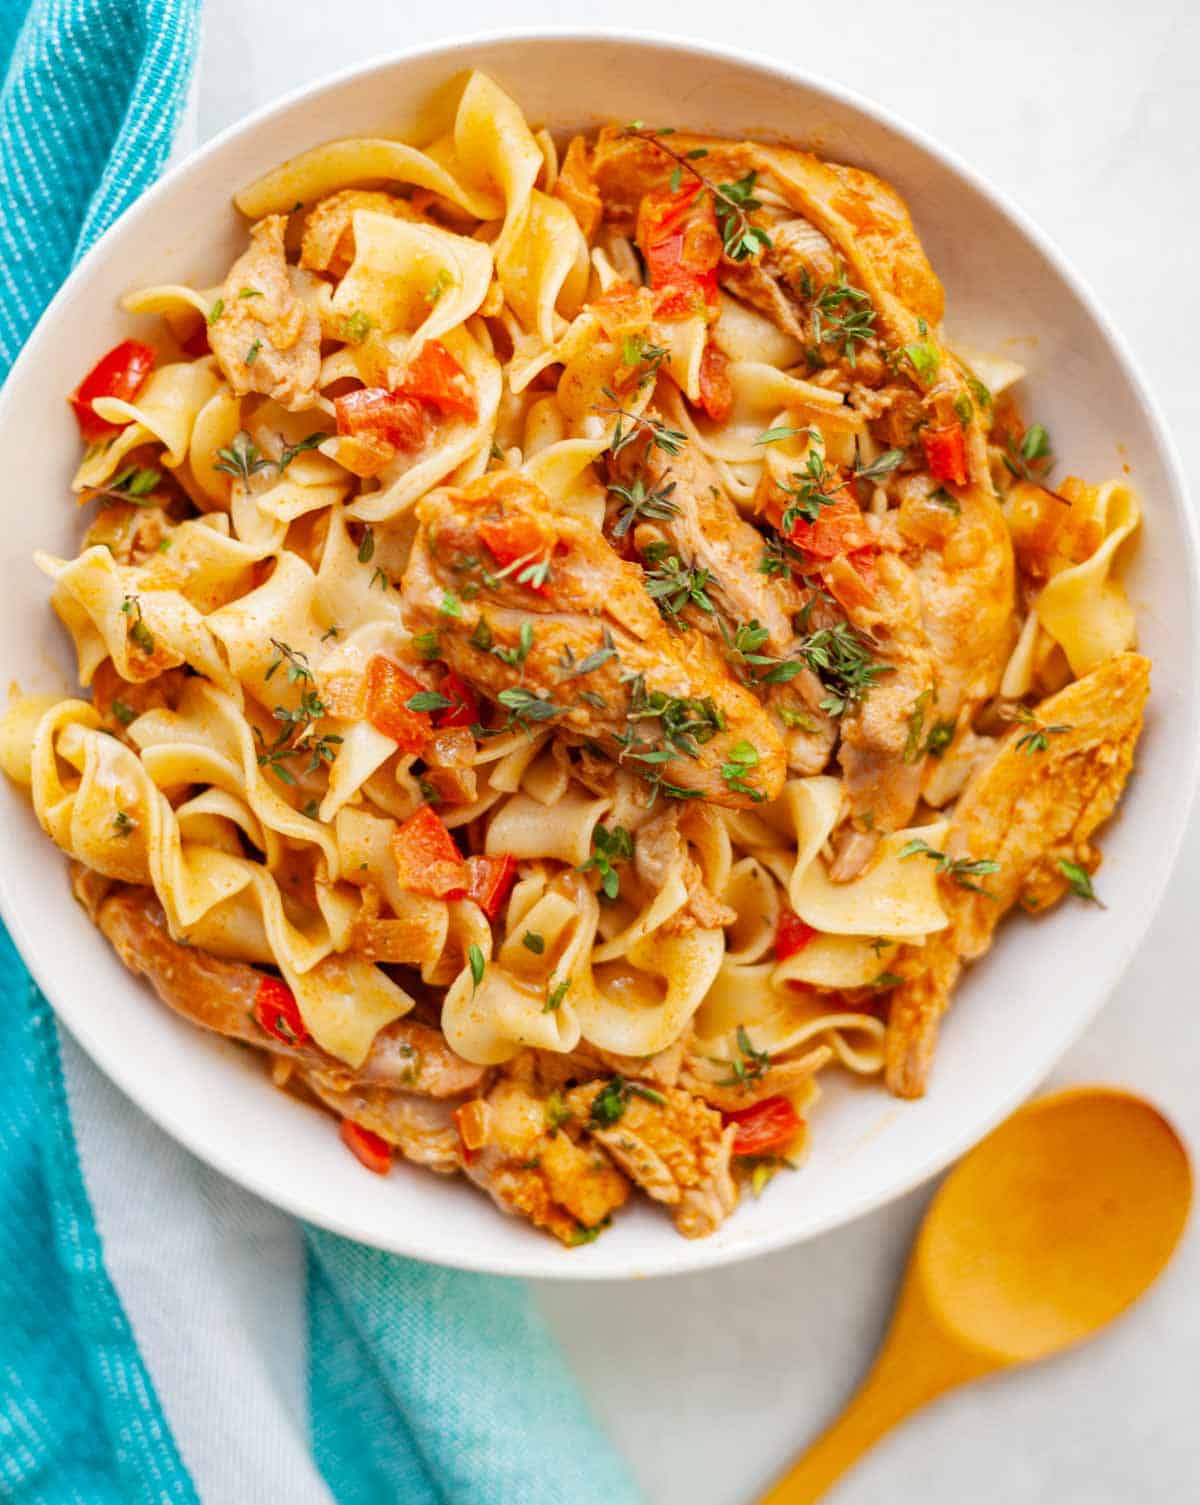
{"points": [[658, 435], [1037, 738], [673, 586], [844, 315], [748, 1066], [732, 201], [641, 504], [843, 662], [962, 869]]}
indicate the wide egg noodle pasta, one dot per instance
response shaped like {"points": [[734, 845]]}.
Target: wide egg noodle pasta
{"points": [[222, 903], [396, 264], [1083, 608]]}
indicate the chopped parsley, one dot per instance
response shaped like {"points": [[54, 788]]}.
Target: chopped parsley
{"points": [[534, 942]]}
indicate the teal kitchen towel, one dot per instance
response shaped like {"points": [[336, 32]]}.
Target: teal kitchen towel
{"points": [[164, 1336]]}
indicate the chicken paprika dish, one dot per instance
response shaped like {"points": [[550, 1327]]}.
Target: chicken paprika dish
{"points": [[572, 660]]}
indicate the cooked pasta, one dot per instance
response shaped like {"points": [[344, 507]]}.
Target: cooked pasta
{"points": [[570, 658]]}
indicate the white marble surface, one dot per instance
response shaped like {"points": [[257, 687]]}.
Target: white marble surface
{"points": [[1088, 113]]}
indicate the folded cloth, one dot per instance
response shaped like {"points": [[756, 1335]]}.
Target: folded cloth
{"points": [[165, 1336]]}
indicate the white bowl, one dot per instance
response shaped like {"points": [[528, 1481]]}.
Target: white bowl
{"points": [[1016, 1011]]}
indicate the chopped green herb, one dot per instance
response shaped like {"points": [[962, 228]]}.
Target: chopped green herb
{"points": [[123, 713], [749, 1065], [555, 996], [941, 734], [672, 586], [1080, 880], [844, 316], [913, 745], [252, 354], [609, 847], [924, 359], [778, 435], [843, 662], [290, 451], [534, 942], [451, 606], [440, 284], [124, 825], [356, 327], [250, 292], [216, 311], [944, 499], [961, 869], [366, 549], [242, 458], [640, 503], [743, 758], [477, 964], [428, 645], [429, 700]]}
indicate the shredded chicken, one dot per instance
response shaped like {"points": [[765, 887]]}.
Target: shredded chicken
{"points": [[676, 1150], [531, 1166], [220, 996], [265, 337], [1029, 813], [328, 243]]}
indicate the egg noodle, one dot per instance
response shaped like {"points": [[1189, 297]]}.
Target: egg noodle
{"points": [[574, 659]]}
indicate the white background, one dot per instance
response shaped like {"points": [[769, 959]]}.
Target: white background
{"points": [[1088, 114]]}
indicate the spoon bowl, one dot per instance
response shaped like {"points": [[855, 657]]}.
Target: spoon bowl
{"points": [[1050, 1228], [1058, 1221]]}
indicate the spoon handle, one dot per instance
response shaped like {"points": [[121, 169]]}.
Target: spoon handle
{"points": [[916, 1363]]}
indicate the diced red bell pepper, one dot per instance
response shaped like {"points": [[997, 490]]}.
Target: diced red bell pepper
{"points": [[840, 528], [946, 453], [678, 238], [769, 1125], [369, 1149], [716, 389], [513, 536], [122, 373], [489, 880], [376, 413], [436, 378], [465, 710], [427, 860], [389, 689], [791, 935], [277, 1012]]}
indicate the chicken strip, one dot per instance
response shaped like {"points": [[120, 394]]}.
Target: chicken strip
{"points": [[220, 995], [265, 337], [880, 758], [538, 613], [673, 1146], [708, 533], [1029, 812], [423, 1129]]}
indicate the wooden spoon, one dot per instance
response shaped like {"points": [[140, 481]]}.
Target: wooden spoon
{"points": [[1044, 1233]]}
